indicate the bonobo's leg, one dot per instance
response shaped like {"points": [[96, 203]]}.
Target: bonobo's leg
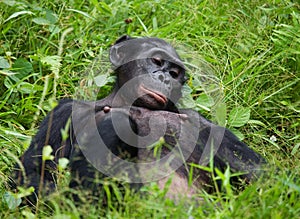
{"points": [[49, 133], [226, 148], [229, 151]]}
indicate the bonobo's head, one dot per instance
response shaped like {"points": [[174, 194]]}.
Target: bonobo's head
{"points": [[153, 66]]}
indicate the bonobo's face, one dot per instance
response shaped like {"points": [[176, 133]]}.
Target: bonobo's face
{"points": [[154, 68]]}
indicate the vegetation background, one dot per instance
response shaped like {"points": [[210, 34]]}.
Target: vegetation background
{"points": [[253, 47]]}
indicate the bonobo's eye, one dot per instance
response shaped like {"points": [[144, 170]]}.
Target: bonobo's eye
{"points": [[174, 73], [157, 61]]}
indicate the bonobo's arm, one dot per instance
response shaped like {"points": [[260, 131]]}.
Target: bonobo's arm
{"points": [[210, 139], [100, 150], [49, 133]]}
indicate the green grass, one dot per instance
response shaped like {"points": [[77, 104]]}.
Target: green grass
{"points": [[253, 51]]}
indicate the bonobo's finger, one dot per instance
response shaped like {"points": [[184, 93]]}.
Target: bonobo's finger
{"points": [[124, 110], [184, 117]]}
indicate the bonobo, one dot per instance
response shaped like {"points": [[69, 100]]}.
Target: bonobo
{"points": [[136, 134]]}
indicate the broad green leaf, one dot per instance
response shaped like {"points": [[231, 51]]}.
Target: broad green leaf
{"points": [[23, 67], [41, 21], [101, 80], [62, 163], [26, 88], [238, 117], [187, 102], [11, 200], [205, 101], [4, 63], [8, 84], [47, 150], [186, 90], [221, 114], [51, 17], [196, 82]]}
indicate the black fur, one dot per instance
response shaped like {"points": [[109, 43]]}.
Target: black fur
{"points": [[161, 62]]}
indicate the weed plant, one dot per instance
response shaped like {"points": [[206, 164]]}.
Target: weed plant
{"points": [[251, 47]]}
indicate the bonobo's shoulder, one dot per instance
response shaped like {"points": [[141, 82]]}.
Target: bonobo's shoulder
{"points": [[64, 101], [81, 105], [70, 102], [63, 104]]}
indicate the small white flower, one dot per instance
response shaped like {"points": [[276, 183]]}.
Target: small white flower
{"points": [[273, 138]]}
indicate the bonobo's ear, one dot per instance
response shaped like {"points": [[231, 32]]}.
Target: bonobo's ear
{"points": [[115, 55], [127, 49], [123, 38]]}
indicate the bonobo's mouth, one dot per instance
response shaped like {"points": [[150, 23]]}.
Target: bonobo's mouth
{"points": [[159, 97]]}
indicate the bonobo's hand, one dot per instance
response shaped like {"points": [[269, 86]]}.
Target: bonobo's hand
{"points": [[148, 121], [179, 131], [160, 122], [151, 125]]}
